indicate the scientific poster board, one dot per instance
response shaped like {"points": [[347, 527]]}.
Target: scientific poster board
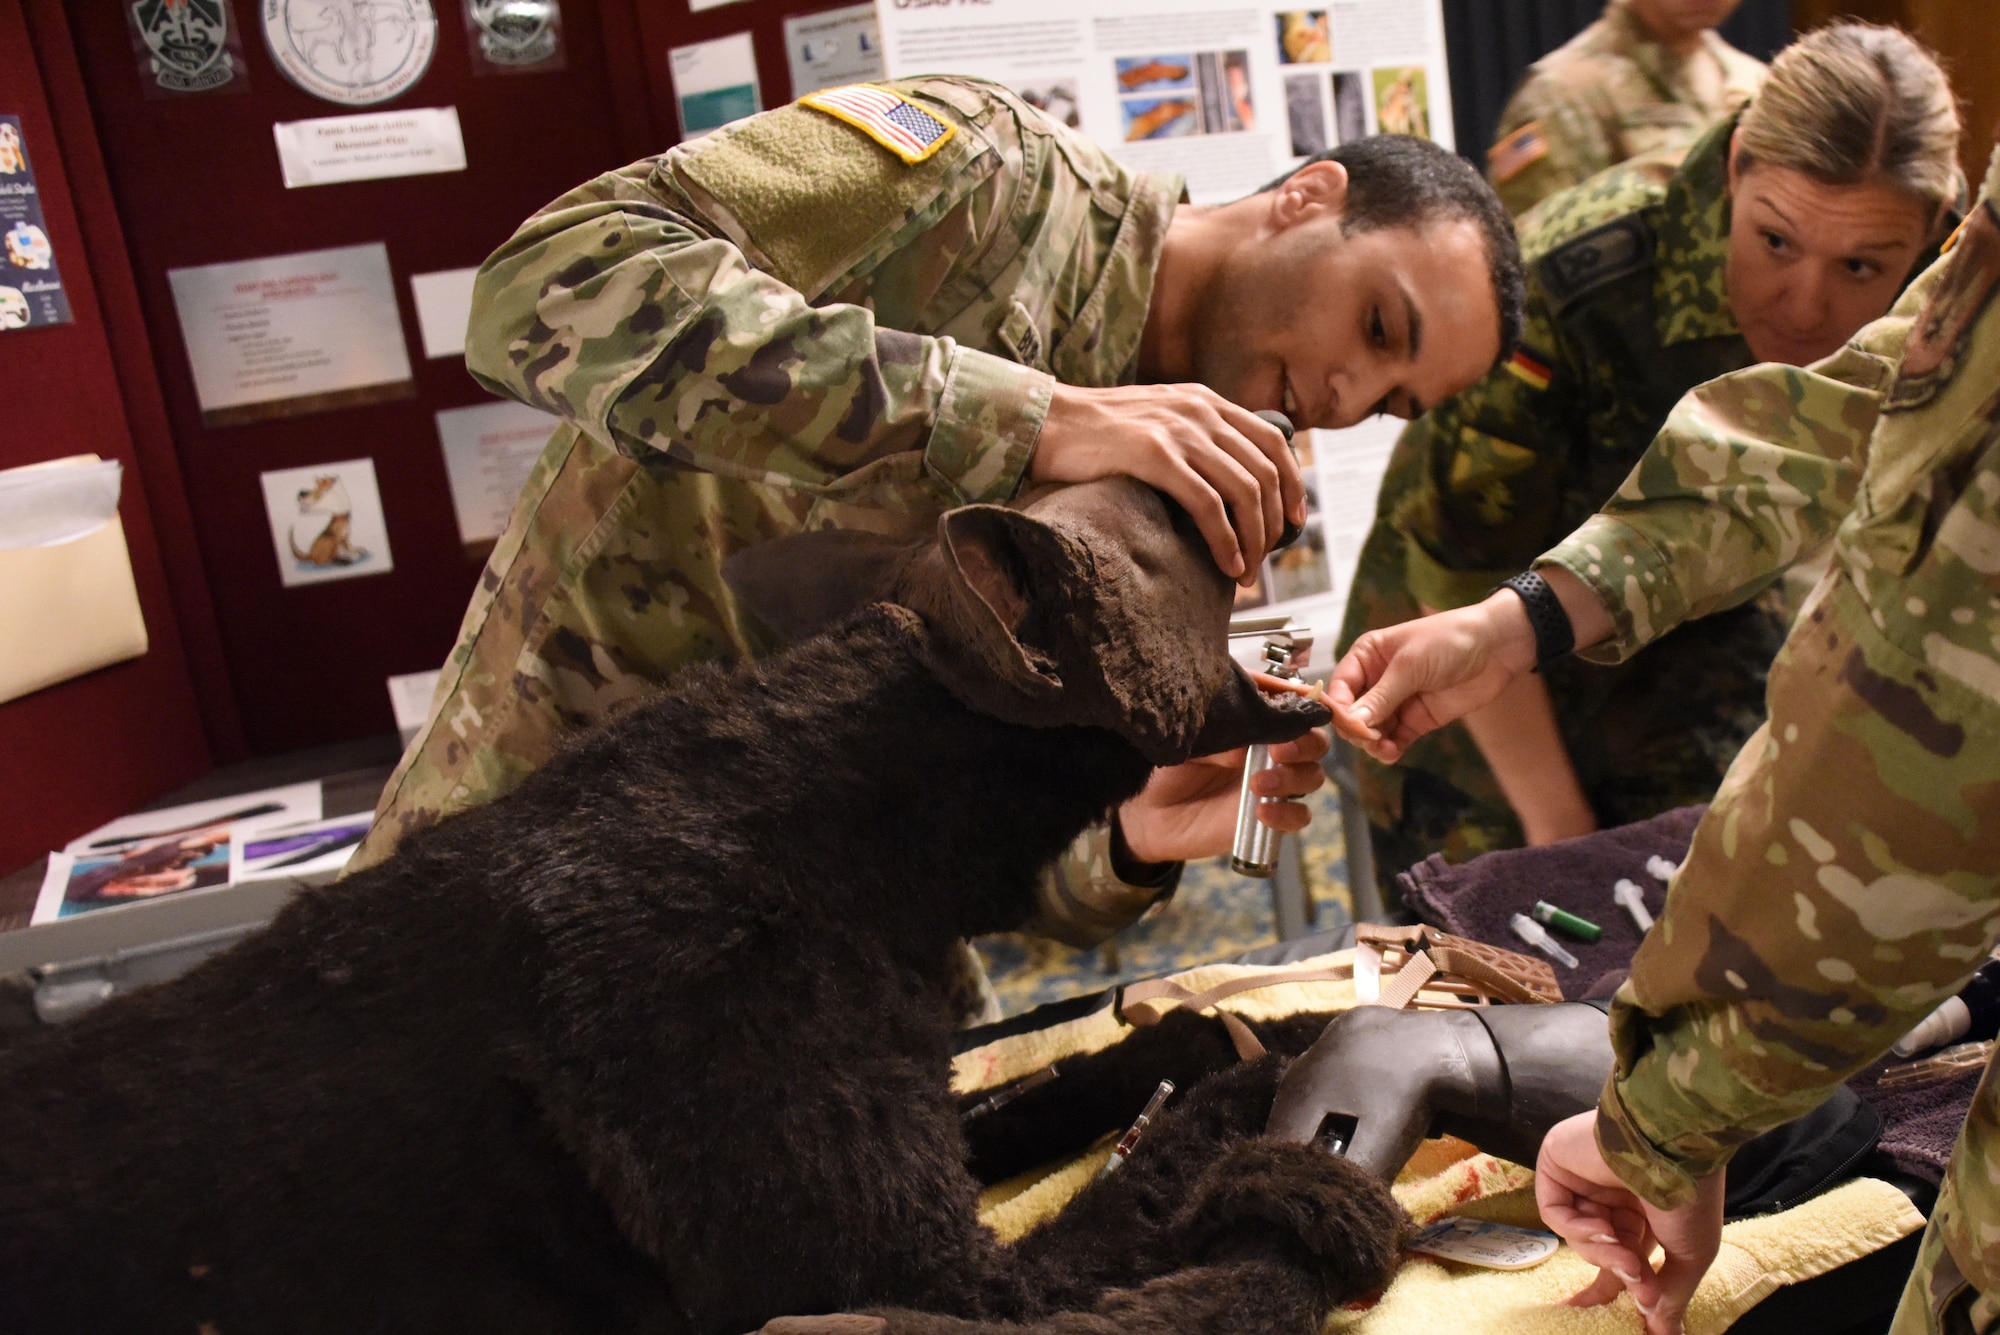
{"points": [[1232, 97], [1310, 580]]}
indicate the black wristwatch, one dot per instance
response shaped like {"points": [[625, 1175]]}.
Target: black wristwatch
{"points": [[1554, 636]]}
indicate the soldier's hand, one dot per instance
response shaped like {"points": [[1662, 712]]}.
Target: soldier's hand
{"points": [[1228, 468], [1402, 681], [1616, 1230], [1189, 811]]}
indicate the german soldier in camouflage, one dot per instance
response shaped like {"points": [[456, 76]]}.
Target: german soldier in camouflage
{"points": [[1847, 876], [1644, 81], [1639, 292], [876, 304]]}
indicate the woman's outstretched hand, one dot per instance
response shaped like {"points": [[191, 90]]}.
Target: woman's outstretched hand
{"points": [[1402, 681]]}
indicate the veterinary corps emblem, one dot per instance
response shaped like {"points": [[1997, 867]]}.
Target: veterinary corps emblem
{"points": [[355, 52], [188, 41], [516, 32]]}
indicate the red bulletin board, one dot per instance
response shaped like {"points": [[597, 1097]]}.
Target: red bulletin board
{"points": [[86, 750], [196, 181]]}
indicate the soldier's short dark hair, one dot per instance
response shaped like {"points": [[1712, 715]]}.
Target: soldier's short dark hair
{"points": [[1399, 180]]}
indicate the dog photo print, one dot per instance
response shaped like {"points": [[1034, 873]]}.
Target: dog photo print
{"points": [[326, 522]]}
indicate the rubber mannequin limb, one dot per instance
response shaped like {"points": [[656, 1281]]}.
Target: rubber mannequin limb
{"points": [[1497, 1076]]}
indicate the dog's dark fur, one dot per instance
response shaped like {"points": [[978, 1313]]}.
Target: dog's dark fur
{"points": [[658, 1042]]}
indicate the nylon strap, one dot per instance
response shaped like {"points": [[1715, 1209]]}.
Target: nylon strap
{"points": [[1147, 1003]]}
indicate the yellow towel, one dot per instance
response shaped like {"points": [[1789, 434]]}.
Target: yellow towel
{"points": [[1449, 1176]]}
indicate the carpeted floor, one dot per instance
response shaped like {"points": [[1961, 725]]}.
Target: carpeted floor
{"points": [[1215, 915]]}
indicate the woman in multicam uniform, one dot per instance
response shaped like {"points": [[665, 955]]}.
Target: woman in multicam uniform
{"points": [[1782, 234], [1847, 877]]}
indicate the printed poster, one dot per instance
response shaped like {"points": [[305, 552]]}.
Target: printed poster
{"points": [[326, 522], [834, 48], [715, 83], [292, 333], [31, 287], [1231, 98], [1310, 579], [164, 852]]}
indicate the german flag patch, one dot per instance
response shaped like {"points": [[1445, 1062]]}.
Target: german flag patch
{"points": [[1531, 370], [905, 129]]}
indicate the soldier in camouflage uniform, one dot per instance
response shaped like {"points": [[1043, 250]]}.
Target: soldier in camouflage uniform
{"points": [[1627, 311], [1847, 877], [1619, 90], [818, 317], [1630, 306]]}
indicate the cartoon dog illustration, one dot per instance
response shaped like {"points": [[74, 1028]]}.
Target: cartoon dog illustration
{"points": [[333, 546], [12, 159]]}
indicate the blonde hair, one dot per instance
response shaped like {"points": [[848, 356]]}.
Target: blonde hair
{"points": [[1855, 103]]}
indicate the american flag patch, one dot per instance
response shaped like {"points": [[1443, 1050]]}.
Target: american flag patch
{"points": [[906, 130], [1517, 152]]}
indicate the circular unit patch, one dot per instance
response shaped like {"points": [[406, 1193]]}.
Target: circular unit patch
{"points": [[355, 52]]}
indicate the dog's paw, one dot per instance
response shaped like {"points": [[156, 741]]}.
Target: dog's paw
{"points": [[1227, 1105], [836, 1323], [1265, 1199]]}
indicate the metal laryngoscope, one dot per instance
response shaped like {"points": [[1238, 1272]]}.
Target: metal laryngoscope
{"points": [[1287, 648]]}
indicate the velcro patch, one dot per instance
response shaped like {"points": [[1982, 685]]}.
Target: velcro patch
{"points": [[1516, 153], [905, 129], [1604, 254]]}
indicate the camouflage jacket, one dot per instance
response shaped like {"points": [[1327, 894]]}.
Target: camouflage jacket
{"points": [[1847, 877], [1627, 311], [1611, 93], [777, 327]]}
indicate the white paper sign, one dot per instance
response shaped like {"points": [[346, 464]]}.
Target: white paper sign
{"points": [[839, 46], [715, 83], [370, 146], [410, 701], [1230, 97], [444, 309], [291, 326], [326, 522], [489, 450]]}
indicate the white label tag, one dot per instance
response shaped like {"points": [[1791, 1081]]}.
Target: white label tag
{"points": [[370, 146], [1492, 1246]]}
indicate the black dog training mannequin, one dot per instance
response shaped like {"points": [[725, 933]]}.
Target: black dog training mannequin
{"points": [[657, 1042]]}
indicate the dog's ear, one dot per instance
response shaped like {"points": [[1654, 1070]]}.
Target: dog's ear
{"points": [[1242, 715], [800, 585], [998, 571]]}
